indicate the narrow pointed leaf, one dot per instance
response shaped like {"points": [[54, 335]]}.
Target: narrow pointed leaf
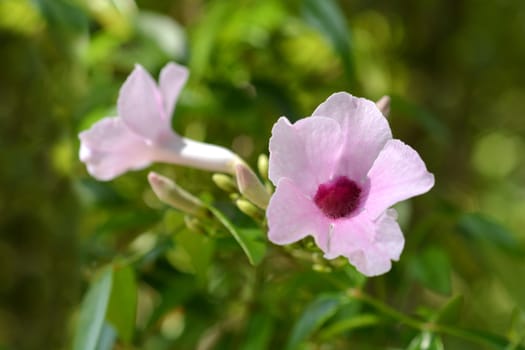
{"points": [[123, 302], [313, 317], [328, 19], [359, 321], [450, 312], [251, 241], [93, 312]]}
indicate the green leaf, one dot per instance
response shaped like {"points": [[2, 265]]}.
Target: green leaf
{"points": [[432, 125], [62, 14], [93, 312], [449, 313], [481, 228], [481, 337], [313, 317], [255, 242], [251, 241], [107, 338], [204, 38], [426, 341], [192, 252], [345, 325], [432, 269], [163, 31], [259, 333], [517, 327], [328, 19], [123, 302]]}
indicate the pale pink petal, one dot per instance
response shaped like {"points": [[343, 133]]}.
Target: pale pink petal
{"points": [[141, 107], [109, 134], [365, 131], [292, 216], [389, 239], [397, 174], [172, 79], [305, 152], [369, 245], [106, 165], [109, 149]]}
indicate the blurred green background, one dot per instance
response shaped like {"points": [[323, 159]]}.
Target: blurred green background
{"points": [[454, 70]]}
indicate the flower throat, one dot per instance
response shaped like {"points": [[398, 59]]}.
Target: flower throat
{"points": [[338, 198]]}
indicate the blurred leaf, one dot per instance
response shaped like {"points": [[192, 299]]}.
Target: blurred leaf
{"points": [[174, 292], [259, 333], [93, 192], [256, 243], [192, 252], [20, 16], [123, 302], [482, 337], [449, 313], [107, 338], [517, 328], [328, 19], [358, 321], [93, 312], [481, 228], [432, 269], [313, 317], [433, 126], [356, 278], [426, 341], [251, 241], [113, 16], [132, 220], [61, 14], [203, 39], [164, 31]]}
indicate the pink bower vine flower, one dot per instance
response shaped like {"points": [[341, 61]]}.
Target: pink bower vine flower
{"points": [[142, 133], [337, 174]]}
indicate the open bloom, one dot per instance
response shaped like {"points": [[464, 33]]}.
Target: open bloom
{"points": [[337, 175], [142, 133]]}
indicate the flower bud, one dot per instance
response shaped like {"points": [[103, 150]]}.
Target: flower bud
{"points": [[250, 186], [224, 182], [170, 193], [262, 166], [249, 209], [384, 105]]}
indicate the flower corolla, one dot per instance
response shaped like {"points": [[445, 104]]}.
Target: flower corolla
{"points": [[142, 134], [337, 175]]}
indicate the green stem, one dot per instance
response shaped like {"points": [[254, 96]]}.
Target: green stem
{"points": [[387, 310], [466, 334]]}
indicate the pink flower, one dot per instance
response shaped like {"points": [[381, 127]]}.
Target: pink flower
{"points": [[142, 133], [337, 174]]}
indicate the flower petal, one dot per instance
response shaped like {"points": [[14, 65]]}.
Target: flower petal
{"points": [[171, 81], [109, 133], [364, 132], [293, 216], [106, 165], [397, 174], [305, 152], [369, 245], [389, 237], [109, 149], [141, 107]]}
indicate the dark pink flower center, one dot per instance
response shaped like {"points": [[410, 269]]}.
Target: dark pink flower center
{"points": [[338, 198]]}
